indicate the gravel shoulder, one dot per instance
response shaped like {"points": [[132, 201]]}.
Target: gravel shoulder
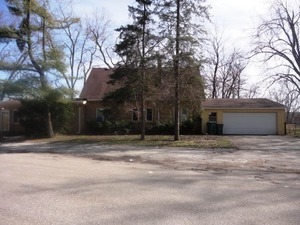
{"points": [[263, 160]]}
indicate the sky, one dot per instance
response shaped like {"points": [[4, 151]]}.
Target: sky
{"points": [[234, 19]]}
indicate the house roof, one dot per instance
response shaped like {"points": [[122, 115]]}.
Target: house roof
{"points": [[254, 103], [96, 85], [10, 104]]}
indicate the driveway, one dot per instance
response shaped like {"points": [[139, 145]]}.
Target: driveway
{"points": [[269, 142]]}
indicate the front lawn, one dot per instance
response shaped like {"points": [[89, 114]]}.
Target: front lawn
{"points": [[187, 141]]}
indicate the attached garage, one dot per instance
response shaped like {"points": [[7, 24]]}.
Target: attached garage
{"points": [[245, 116]]}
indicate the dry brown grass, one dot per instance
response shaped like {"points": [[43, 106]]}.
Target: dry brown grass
{"points": [[195, 141]]}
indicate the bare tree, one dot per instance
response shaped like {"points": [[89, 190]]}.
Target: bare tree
{"points": [[85, 42], [231, 75], [289, 96], [214, 63], [224, 69], [277, 39], [253, 91], [98, 32]]}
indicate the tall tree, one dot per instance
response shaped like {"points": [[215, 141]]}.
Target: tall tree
{"points": [[278, 39], [181, 24], [34, 36], [134, 49]]}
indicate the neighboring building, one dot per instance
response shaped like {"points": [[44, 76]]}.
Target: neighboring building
{"points": [[9, 119], [245, 116]]}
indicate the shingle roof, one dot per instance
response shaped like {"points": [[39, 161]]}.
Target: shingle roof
{"points": [[253, 103], [96, 85]]}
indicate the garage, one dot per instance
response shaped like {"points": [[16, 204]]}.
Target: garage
{"points": [[258, 116], [249, 123]]}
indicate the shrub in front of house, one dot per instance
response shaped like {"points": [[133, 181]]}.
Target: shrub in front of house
{"points": [[161, 128], [120, 127], [191, 126], [109, 127], [187, 127]]}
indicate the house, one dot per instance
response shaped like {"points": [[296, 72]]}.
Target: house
{"points": [[95, 110], [244, 116], [235, 116], [9, 120]]}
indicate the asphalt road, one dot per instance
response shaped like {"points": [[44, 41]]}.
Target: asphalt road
{"points": [[43, 188]]}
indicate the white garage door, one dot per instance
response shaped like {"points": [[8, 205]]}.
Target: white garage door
{"points": [[249, 123]]}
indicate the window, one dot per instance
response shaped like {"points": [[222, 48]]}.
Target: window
{"points": [[212, 118], [100, 115], [16, 118], [184, 114], [149, 115], [135, 115]]}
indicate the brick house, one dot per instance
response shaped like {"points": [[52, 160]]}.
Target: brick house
{"points": [[95, 89]]}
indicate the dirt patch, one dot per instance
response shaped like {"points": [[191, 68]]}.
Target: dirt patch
{"points": [[271, 161], [215, 164]]}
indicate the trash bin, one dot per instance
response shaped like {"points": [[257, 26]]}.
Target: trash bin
{"points": [[220, 129], [211, 128]]}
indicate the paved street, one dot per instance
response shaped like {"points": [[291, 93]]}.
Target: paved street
{"points": [[88, 184]]}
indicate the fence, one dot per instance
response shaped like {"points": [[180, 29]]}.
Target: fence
{"points": [[293, 129]]}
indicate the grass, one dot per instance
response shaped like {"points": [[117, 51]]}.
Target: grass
{"points": [[189, 141]]}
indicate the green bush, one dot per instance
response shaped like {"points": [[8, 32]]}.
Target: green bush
{"points": [[187, 127], [109, 127], [33, 117], [161, 128]]}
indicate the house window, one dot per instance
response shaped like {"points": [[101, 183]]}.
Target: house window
{"points": [[212, 117], [135, 115], [16, 117], [149, 115], [100, 117], [184, 114]]}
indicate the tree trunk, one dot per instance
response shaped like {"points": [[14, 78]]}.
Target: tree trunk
{"points": [[143, 122], [176, 74], [50, 132]]}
